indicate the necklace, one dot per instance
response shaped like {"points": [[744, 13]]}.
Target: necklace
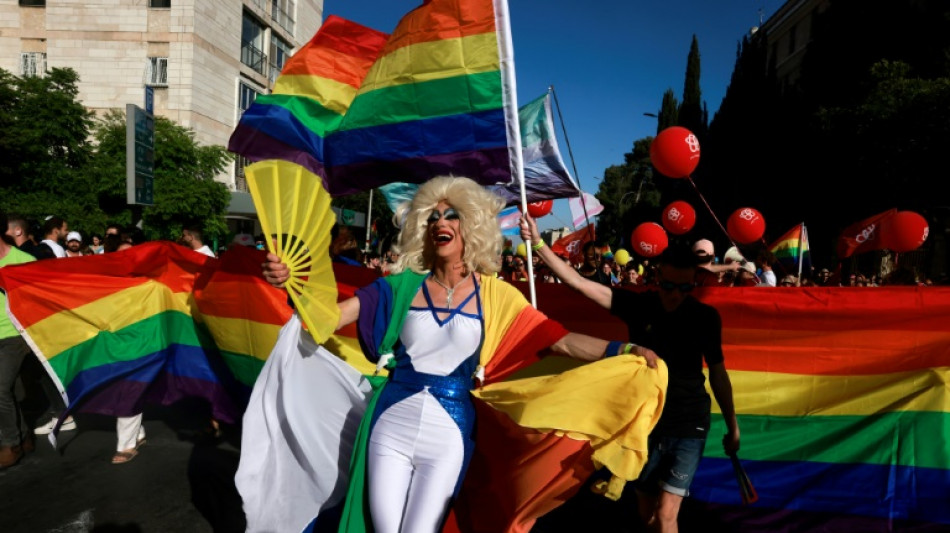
{"points": [[449, 292]]}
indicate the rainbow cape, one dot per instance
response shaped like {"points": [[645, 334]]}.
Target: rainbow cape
{"points": [[360, 108], [791, 247], [535, 445]]}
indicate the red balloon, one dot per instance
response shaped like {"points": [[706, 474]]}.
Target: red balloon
{"points": [[675, 152], [539, 209], [679, 217], [649, 239], [904, 232], [746, 225]]}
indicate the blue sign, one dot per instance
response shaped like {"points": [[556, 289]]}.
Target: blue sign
{"points": [[149, 99]]}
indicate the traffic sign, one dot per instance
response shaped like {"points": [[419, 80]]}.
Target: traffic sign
{"points": [[139, 154]]}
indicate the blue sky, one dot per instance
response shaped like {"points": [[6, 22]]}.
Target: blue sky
{"points": [[609, 61]]}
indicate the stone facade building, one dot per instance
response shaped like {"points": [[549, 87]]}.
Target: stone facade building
{"points": [[205, 59]]}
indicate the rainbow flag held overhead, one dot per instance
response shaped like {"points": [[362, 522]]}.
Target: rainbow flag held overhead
{"points": [[545, 175], [360, 109], [791, 250]]}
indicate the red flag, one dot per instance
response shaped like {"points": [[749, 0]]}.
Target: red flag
{"points": [[572, 245], [863, 236]]}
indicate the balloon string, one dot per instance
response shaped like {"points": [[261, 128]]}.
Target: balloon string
{"points": [[703, 198]]}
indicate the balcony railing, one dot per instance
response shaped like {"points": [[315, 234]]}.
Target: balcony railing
{"points": [[274, 72], [253, 57], [283, 18]]}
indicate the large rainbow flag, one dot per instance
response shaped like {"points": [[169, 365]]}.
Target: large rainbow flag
{"points": [[118, 330], [360, 109], [545, 175], [843, 397]]}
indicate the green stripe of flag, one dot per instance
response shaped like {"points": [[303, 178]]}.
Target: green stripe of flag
{"points": [[142, 338], [907, 438], [435, 98]]}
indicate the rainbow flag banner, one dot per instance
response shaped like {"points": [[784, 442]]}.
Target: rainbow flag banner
{"points": [[791, 249], [844, 410], [118, 330], [360, 109], [545, 175]]}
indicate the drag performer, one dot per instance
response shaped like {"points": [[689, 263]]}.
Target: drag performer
{"points": [[435, 325]]}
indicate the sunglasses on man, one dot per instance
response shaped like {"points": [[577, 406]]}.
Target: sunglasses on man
{"points": [[682, 287]]}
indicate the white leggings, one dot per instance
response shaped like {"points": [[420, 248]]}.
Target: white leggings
{"points": [[414, 459]]}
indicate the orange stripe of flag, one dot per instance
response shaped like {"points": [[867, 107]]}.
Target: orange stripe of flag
{"points": [[436, 21], [351, 52]]}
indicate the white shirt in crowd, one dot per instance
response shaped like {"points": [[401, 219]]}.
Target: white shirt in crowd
{"points": [[57, 249]]}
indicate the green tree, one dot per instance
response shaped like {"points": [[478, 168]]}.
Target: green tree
{"points": [[691, 114], [185, 189], [628, 194], [44, 146], [669, 112]]}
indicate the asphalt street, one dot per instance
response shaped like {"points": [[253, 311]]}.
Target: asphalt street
{"points": [[182, 481]]}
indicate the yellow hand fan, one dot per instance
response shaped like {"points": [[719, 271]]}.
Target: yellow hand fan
{"points": [[294, 210]]}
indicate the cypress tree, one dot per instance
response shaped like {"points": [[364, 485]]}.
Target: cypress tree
{"points": [[691, 110]]}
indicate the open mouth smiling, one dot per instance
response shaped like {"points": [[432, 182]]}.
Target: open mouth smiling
{"points": [[442, 237]]}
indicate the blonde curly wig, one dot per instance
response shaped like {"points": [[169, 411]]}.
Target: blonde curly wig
{"points": [[478, 210]]}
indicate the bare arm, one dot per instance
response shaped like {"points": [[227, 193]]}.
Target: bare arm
{"points": [[276, 273], [722, 389], [595, 291], [349, 311], [586, 348]]}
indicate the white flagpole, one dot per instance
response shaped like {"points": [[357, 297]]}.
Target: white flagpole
{"points": [[506, 58], [802, 239], [369, 217]]}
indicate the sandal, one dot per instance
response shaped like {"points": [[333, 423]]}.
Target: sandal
{"points": [[139, 443], [124, 456]]}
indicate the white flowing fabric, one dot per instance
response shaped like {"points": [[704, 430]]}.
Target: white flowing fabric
{"points": [[298, 433]]}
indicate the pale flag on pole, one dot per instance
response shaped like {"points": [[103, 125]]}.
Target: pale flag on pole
{"points": [[577, 208]]}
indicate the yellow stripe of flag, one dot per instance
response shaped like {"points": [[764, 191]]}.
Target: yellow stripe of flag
{"points": [[434, 60], [70, 327]]}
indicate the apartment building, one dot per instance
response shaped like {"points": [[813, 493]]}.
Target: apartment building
{"points": [[788, 32], [206, 59]]}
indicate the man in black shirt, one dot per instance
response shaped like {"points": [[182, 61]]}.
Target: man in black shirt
{"points": [[683, 332]]}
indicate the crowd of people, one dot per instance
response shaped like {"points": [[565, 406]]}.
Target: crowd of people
{"points": [[681, 330], [601, 265]]}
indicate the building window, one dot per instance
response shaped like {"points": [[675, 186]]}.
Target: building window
{"points": [[159, 3], [279, 54], [252, 44], [791, 39], [32, 64], [240, 179], [282, 11], [246, 96], [156, 72], [33, 3]]}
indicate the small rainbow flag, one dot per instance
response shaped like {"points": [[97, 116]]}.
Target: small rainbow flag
{"points": [[791, 249], [360, 109]]}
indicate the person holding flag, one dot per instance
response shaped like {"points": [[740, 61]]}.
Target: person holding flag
{"points": [[684, 332]]}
